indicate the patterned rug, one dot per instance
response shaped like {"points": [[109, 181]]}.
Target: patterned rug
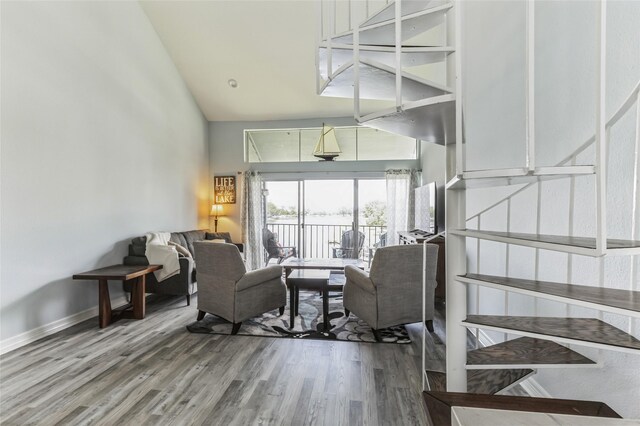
{"points": [[308, 325]]}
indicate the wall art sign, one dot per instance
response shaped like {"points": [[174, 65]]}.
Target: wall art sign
{"points": [[224, 189]]}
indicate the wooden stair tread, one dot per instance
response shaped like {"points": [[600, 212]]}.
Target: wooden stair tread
{"points": [[439, 405], [575, 330], [614, 298], [526, 350], [481, 381], [580, 245]]}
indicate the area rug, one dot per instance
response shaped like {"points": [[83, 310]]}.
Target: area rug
{"points": [[308, 324]]}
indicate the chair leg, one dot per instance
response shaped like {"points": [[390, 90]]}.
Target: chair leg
{"points": [[429, 324], [281, 310], [236, 328], [188, 300], [376, 334], [346, 312], [201, 315]]}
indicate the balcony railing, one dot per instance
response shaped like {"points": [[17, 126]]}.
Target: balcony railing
{"points": [[320, 240]]}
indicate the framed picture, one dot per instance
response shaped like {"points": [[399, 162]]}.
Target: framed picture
{"points": [[224, 189]]}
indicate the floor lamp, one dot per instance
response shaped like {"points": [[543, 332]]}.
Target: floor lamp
{"points": [[216, 212]]}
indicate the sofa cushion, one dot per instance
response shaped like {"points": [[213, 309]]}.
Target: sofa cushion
{"points": [[178, 238], [219, 236], [138, 246], [191, 237]]}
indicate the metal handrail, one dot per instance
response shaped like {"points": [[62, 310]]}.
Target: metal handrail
{"points": [[319, 239], [622, 110]]}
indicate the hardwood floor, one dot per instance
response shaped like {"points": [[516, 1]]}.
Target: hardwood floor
{"points": [[154, 371]]}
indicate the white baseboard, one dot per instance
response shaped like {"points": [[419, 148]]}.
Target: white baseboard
{"points": [[530, 385], [7, 345]]}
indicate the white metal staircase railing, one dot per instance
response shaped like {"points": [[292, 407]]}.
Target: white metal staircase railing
{"points": [[439, 119], [632, 99], [599, 246], [379, 58]]}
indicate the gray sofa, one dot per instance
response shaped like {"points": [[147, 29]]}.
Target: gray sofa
{"points": [[391, 293], [184, 283]]}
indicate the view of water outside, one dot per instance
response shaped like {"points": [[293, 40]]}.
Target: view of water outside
{"points": [[328, 206]]}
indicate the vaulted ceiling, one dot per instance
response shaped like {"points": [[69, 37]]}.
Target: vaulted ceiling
{"points": [[267, 46]]}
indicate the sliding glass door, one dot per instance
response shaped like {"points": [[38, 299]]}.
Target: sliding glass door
{"points": [[327, 218], [282, 208]]}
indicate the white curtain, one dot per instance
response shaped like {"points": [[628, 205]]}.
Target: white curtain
{"points": [[400, 202], [253, 220]]}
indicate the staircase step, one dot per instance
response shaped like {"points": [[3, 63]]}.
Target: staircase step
{"points": [[432, 120], [439, 405], [466, 416], [622, 302], [383, 33], [481, 381], [583, 331], [578, 245], [378, 81], [526, 352], [516, 176], [407, 7], [342, 54]]}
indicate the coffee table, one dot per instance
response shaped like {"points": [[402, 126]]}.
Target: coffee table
{"points": [[313, 274], [123, 273]]}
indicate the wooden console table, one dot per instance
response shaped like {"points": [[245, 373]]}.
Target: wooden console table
{"points": [[418, 237], [123, 273]]}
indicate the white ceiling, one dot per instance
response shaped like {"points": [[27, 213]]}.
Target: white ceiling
{"points": [[268, 46]]}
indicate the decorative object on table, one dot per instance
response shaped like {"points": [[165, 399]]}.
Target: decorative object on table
{"points": [[346, 249], [391, 294], [308, 324], [274, 250], [227, 290], [224, 189], [327, 147], [217, 210]]}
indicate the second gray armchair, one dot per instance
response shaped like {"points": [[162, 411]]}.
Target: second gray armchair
{"points": [[227, 290], [391, 293]]}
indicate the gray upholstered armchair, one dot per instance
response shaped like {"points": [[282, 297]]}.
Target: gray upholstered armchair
{"points": [[227, 290], [391, 294]]}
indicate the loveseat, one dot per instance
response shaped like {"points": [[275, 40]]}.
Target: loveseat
{"points": [[184, 283]]}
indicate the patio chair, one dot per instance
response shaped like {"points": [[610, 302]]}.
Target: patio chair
{"points": [[382, 242], [274, 250], [346, 251]]}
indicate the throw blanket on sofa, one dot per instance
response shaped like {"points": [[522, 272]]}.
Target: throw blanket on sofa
{"points": [[159, 252]]}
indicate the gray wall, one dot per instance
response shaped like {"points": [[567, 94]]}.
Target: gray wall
{"points": [[494, 91], [101, 142]]}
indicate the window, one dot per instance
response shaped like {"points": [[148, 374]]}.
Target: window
{"points": [[356, 143]]}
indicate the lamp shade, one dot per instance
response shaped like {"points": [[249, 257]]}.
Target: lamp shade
{"points": [[217, 210]]}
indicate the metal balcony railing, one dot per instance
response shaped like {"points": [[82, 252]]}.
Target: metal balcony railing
{"points": [[320, 240]]}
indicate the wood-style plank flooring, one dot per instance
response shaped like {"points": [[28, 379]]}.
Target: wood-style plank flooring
{"points": [[154, 371]]}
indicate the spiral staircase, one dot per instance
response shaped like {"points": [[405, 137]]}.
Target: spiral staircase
{"points": [[394, 56]]}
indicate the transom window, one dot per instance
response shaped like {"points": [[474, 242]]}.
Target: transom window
{"points": [[356, 143]]}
